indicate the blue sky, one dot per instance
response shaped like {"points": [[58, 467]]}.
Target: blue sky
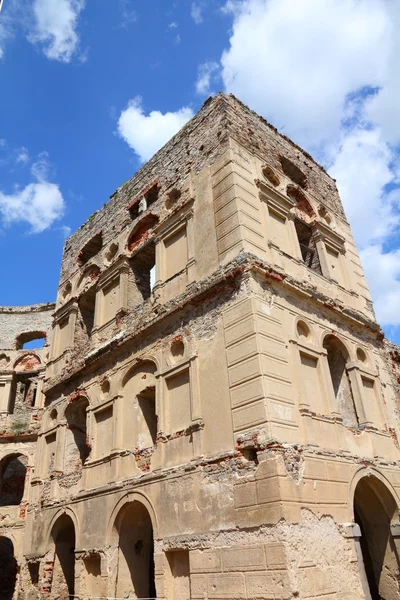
{"points": [[90, 89]]}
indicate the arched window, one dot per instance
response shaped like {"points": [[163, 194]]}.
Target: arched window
{"points": [[140, 387], [374, 511], [30, 339], [303, 222], [8, 569], [77, 448], [307, 245], [63, 581], [135, 577], [12, 479], [337, 359], [25, 383], [90, 249]]}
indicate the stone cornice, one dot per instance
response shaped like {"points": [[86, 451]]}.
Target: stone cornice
{"points": [[148, 315]]}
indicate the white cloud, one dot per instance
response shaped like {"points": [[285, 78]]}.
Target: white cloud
{"points": [[7, 24], [384, 107], [55, 27], [4, 35], [296, 62], [22, 155], [382, 270], [361, 168], [40, 169], [128, 15], [39, 204], [327, 72], [196, 13], [145, 134], [65, 231], [207, 72]]}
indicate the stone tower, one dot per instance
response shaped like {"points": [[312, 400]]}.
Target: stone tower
{"points": [[221, 413]]}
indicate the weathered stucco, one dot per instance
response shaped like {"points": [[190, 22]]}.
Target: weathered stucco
{"points": [[219, 415]]}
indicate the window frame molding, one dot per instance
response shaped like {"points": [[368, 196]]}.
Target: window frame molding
{"points": [[183, 217], [117, 271]]}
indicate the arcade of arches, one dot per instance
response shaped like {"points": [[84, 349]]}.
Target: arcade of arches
{"points": [[133, 576]]}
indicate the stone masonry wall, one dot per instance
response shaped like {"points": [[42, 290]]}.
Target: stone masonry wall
{"points": [[192, 149], [15, 320]]}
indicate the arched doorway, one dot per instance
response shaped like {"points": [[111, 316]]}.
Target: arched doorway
{"points": [[77, 448], [12, 479], [135, 577], [63, 535], [374, 511], [8, 569]]}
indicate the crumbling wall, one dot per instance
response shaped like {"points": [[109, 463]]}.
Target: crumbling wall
{"points": [[210, 453], [16, 320]]}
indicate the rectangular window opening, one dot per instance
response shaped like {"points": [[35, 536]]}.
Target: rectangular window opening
{"points": [[86, 307], [34, 572], [143, 269], [307, 245], [142, 204]]}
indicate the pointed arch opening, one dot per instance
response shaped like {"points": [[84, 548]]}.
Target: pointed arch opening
{"points": [[135, 577], [374, 511], [63, 535]]}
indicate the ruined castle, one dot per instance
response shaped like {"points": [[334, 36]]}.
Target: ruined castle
{"points": [[214, 414]]}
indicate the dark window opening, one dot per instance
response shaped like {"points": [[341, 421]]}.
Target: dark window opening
{"points": [[8, 569], [28, 389], [337, 360], [250, 454], [86, 308], [147, 404], [30, 339], [90, 249], [293, 172], [77, 446], [368, 564], [135, 571], [34, 572], [143, 269], [374, 511], [12, 480], [172, 198], [307, 245], [23, 392], [144, 202], [64, 564]]}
